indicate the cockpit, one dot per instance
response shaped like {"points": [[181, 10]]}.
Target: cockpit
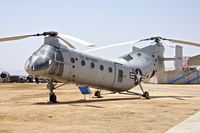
{"points": [[46, 60]]}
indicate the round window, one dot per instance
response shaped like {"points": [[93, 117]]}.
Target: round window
{"points": [[82, 62], [72, 60], [101, 67], [92, 65]]}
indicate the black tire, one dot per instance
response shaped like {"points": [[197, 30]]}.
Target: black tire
{"points": [[146, 95], [53, 98], [98, 94], [37, 80]]}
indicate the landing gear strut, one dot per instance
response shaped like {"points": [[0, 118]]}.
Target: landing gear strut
{"points": [[52, 96], [145, 93]]}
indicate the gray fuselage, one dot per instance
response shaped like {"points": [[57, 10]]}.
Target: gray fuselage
{"points": [[55, 61]]}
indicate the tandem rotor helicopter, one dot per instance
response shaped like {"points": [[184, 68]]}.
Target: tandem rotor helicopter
{"points": [[60, 61]]}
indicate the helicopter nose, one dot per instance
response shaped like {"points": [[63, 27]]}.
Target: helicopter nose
{"points": [[29, 65], [41, 64], [37, 65]]}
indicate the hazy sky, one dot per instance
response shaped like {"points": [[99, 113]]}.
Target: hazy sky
{"points": [[98, 21]]}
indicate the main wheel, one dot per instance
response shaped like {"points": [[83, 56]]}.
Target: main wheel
{"points": [[98, 94], [53, 98], [146, 95]]}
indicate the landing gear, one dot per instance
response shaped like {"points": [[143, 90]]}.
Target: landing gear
{"points": [[51, 85], [52, 96], [98, 94], [145, 93]]}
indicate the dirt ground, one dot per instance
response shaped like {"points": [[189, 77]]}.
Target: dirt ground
{"points": [[25, 108]]}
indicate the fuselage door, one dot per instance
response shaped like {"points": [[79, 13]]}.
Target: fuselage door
{"points": [[119, 76], [67, 64], [122, 80]]}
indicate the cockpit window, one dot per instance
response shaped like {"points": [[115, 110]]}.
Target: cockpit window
{"points": [[38, 51], [46, 50], [51, 55], [41, 64], [50, 48], [59, 56], [42, 52]]}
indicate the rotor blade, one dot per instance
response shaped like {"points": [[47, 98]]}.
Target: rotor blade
{"points": [[184, 42], [75, 39], [14, 38], [113, 45], [26, 36], [69, 44]]}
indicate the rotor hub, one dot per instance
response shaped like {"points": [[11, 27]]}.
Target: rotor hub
{"points": [[50, 33], [157, 39]]}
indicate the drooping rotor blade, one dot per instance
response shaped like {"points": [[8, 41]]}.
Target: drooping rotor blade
{"points": [[14, 38], [65, 38], [157, 39], [68, 43], [113, 45], [183, 42]]}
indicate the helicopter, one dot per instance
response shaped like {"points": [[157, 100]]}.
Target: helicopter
{"points": [[58, 60]]}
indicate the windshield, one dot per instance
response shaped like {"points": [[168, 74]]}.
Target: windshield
{"points": [[47, 58], [46, 50]]}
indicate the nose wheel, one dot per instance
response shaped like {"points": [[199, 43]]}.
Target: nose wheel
{"points": [[51, 85], [52, 96]]}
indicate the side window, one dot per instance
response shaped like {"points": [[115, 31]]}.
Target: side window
{"points": [[82, 62], [101, 67], [72, 60], [128, 58], [110, 69], [120, 75], [59, 56], [61, 69], [92, 65]]}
